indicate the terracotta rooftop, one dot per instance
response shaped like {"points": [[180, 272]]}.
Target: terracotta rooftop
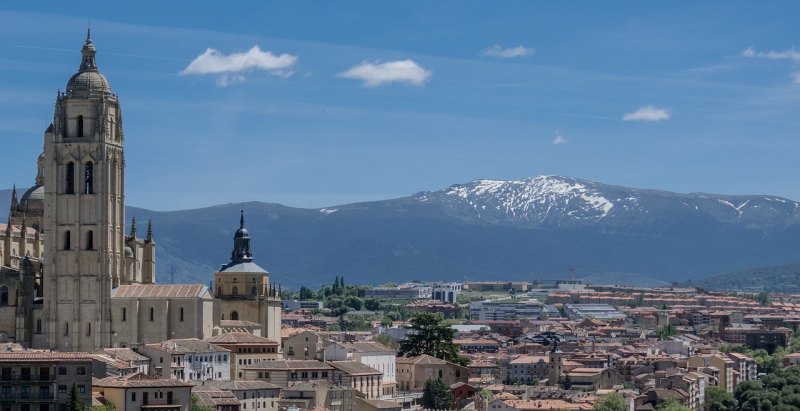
{"points": [[138, 380], [160, 291], [240, 338], [369, 346], [290, 365], [354, 367], [45, 356]]}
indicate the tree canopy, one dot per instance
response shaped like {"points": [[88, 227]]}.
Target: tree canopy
{"points": [[429, 335], [611, 402], [436, 395]]}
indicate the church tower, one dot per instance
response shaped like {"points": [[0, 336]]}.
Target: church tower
{"points": [[84, 210]]}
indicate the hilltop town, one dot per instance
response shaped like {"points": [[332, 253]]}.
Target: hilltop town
{"points": [[85, 323]]}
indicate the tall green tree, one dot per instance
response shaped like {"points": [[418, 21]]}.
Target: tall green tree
{"points": [[611, 402], [717, 399], [74, 402], [436, 395], [430, 335], [672, 405]]}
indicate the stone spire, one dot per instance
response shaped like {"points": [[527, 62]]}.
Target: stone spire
{"points": [[241, 244], [133, 228], [149, 238], [88, 53], [14, 198]]}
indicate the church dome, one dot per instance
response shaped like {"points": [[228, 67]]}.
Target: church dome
{"points": [[33, 199], [241, 233], [87, 82]]}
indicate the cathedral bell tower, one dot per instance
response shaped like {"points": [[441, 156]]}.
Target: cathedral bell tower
{"points": [[84, 217]]}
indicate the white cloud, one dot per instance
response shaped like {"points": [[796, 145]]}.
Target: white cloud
{"points": [[226, 80], [560, 139], [508, 53], [788, 54], [212, 61], [399, 71], [648, 113], [795, 77]]}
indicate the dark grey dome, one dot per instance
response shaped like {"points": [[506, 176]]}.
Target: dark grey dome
{"points": [[33, 199], [241, 233], [85, 83], [88, 80]]}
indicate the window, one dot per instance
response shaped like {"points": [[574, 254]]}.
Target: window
{"points": [[133, 396], [80, 126], [234, 315], [62, 370], [181, 313], [254, 291], [62, 389], [3, 295], [124, 314], [66, 329], [88, 329], [234, 292], [81, 371], [82, 389], [38, 326], [67, 240], [90, 240], [88, 178], [70, 182], [152, 314]]}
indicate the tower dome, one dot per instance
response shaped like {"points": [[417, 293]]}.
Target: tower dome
{"points": [[87, 81]]}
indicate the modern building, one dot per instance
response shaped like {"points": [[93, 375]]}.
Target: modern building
{"points": [[509, 309], [602, 312], [41, 381]]}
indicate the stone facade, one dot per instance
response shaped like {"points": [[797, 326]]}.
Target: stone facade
{"points": [[86, 285]]}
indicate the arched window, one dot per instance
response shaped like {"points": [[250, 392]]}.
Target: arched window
{"points": [[235, 290], [151, 314], [88, 329], [181, 313], [67, 240], [66, 329], [219, 291], [88, 180], [80, 126], [90, 240], [38, 326], [3, 295], [234, 316], [70, 186], [254, 291]]}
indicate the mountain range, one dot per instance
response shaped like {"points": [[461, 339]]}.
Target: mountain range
{"points": [[488, 229]]}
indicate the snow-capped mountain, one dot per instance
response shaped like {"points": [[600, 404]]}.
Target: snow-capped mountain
{"points": [[553, 201], [488, 229]]}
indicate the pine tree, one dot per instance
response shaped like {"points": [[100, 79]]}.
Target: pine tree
{"points": [[74, 402], [429, 335], [436, 395]]}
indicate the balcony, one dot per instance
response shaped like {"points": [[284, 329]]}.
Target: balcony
{"points": [[27, 378], [29, 396]]}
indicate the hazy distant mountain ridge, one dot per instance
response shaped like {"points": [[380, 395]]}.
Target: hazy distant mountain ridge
{"points": [[487, 229]]}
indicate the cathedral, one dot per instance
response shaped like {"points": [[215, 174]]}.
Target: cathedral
{"points": [[72, 279]]}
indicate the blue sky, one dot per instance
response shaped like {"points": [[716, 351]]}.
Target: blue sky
{"points": [[352, 101]]}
